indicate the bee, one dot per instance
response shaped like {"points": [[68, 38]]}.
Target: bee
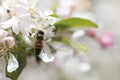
{"points": [[42, 50], [38, 43]]}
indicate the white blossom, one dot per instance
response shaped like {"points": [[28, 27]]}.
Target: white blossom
{"points": [[20, 16], [18, 24], [9, 23], [45, 23], [9, 41]]}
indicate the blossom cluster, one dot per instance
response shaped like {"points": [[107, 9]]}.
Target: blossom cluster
{"points": [[25, 17]]}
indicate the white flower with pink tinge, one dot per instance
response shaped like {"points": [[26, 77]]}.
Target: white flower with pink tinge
{"points": [[44, 23], [19, 17], [6, 44]]}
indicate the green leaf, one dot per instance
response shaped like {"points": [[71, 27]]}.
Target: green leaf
{"points": [[77, 46], [21, 58], [54, 15], [68, 23]]}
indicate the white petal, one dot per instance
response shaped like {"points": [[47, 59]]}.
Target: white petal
{"points": [[25, 24], [46, 54], [49, 32], [19, 10], [15, 27], [9, 23], [27, 40], [12, 64], [3, 34], [46, 57], [8, 4], [5, 5], [49, 20]]}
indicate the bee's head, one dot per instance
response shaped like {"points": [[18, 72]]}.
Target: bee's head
{"points": [[40, 32]]}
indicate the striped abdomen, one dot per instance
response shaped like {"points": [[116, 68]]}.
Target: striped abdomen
{"points": [[38, 48]]}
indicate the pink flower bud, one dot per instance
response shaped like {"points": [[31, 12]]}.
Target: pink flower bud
{"points": [[91, 33], [106, 40]]}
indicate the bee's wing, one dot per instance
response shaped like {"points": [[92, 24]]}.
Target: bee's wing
{"points": [[46, 54]]}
